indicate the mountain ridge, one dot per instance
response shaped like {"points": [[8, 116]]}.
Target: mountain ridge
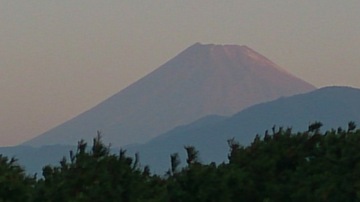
{"points": [[333, 106]]}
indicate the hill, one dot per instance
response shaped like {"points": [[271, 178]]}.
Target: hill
{"points": [[202, 80], [333, 106]]}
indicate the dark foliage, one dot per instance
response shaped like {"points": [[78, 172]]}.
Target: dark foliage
{"points": [[283, 166], [96, 176], [14, 184]]}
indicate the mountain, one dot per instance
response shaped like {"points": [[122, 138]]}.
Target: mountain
{"points": [[202, 80], [333, 106]]}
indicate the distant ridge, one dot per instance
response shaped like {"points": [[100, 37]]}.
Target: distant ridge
{"points": [[333, 106], [200, 81]]}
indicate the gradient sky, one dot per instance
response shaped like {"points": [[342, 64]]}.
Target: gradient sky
{"points": [[59, 58]]}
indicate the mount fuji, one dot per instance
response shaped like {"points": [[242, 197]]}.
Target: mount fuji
{"points": [[201, 80]]}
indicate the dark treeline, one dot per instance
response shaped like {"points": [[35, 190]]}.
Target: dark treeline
{"points": [[280, 166]]}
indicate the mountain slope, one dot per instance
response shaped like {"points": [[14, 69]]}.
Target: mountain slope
{"points": [[333, 106], [201, 80]]}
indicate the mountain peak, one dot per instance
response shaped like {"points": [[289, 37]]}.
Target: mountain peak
{"points": [[238, 54], [219, 47]]}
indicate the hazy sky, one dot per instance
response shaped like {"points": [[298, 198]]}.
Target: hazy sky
{"points": [[61, 57]]}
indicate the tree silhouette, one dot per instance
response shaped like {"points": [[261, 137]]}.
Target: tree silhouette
{"points": [[15, 185], [283, 166]]}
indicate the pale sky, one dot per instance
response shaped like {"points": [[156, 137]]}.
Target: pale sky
{"points": [[59, 58]]}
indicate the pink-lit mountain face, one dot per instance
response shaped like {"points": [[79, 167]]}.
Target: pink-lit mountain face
{"points": [[201, 80]]}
